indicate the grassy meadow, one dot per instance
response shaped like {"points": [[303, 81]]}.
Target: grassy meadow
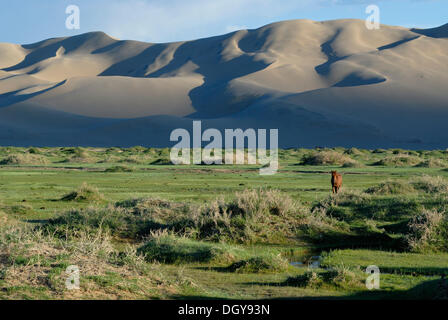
{"points": [[139, 227]]}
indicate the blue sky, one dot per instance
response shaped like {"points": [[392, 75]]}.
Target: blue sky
{"points": [[26, 21]]}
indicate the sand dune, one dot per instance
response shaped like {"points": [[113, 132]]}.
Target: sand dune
{"points": [[122, 97], [321, 83], [11, 54]]}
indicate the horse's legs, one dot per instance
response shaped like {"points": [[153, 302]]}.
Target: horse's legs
{"points": [[334, 190]]}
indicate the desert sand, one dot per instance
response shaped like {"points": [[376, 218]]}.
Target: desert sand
{"points": [[332, 83]]}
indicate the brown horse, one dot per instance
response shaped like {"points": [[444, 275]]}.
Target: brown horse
{"points": [[336, 181]]}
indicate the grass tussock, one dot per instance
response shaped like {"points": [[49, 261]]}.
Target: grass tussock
{"points": [[135, 159], [19, 209], [339, 277], [402, 160], [4, 218], [352, 164], [428, 232], [365, 220], [119, 169], [432, 163], [260, 264], [427, 184], [88, 220], [353, 151], [24, 159], [391, 188], [84, 193], [121, 248], [252, 216], [161, 162], [354, 206], [321, 158], [388, 261], [168, 248], [33, 265], [131, 219], [79, 155], [430, 184]]}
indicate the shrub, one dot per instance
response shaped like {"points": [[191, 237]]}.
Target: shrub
{"points": [[119, 169], [258, 203], [310, 279], [325, 158], [355, 205], [254, 215], [343, 277], [353, 151], [217, 221], [320, 225], [20, 209], [159, 214], [265, 216], [110, 159], [3, 218], [430, 184], [428, 232], [137, 149], [333, 206], [134, 159], [84, 193], [33, 266], [24, 159], [391, 187], [352, 164], [260, 264], [167, 248], [398, 161], [340, 277], [109, 219], [161, 162], [127, 219], [34, 151], [79, 155], [432, 163]]}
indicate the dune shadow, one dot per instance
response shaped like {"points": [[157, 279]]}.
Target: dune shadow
{"points": [[354, 79], [327, 49], [133, 65], [9, 98], [213, 97], [48, 48], [438, 32], [397, 43]]}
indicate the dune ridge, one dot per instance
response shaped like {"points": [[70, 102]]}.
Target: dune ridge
{"points": [[330, 83]]}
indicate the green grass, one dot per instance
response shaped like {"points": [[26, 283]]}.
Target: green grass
{"points": [[389, 261], [232, 231], [167, 248]]}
